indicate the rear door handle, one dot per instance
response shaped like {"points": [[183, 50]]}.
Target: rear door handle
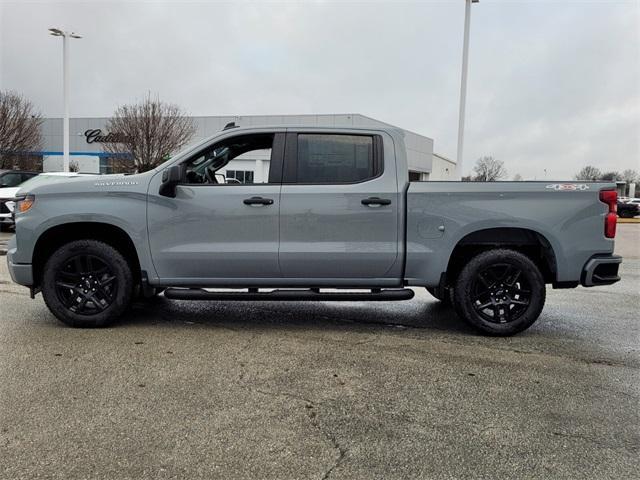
{"points": [[376, 201], [257, 201]]}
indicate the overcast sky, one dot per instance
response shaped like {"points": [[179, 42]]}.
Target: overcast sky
{"points": [[552, 84]]}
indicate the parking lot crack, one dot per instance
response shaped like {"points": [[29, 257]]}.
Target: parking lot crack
{"points": [[329, 438], [333, 442]]}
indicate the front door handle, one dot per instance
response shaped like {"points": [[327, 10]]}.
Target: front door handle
{"points": [[257, 201], [376, 201]]}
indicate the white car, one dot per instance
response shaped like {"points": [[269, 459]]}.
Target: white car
{"points": [[635, 201], [7, 194]]}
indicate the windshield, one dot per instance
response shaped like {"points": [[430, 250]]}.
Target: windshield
{"points": [[41, 179]]}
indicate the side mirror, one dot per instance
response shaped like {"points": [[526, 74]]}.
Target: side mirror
{"points": [[171, 177]]}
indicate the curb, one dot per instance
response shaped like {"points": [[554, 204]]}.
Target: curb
{"points": [[629, 220]]}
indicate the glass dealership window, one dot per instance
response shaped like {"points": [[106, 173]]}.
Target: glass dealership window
{"points": [[243, 176]]}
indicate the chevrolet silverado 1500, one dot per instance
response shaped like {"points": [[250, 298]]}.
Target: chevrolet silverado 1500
{"points": [[334, 218]]}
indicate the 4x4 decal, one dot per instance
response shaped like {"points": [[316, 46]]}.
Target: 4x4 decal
{"points": [[568, 187]]}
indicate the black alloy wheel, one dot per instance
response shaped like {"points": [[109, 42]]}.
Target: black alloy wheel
{"points": [[500, 292], [86, 285]]}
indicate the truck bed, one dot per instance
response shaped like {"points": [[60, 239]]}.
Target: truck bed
{"points": [[569, 217]]}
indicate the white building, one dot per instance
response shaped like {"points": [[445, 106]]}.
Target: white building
{"points": [[86, 151]]}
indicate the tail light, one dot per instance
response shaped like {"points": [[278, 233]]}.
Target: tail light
{"points": [[610, 197]]}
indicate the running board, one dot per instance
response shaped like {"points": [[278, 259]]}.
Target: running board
{"points": [[293, 295]]}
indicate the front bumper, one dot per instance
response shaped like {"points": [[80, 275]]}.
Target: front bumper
{"points": [[601, 270], [21, 273]]}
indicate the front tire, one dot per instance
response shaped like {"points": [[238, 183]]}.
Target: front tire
{"points": [[500, 292], [87, 283]]}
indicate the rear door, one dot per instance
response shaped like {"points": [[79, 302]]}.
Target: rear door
{"points": [[339, 209]]}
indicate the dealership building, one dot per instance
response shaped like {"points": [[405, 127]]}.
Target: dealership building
{"points": [[87, 135]]}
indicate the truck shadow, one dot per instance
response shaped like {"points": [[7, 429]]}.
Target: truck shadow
{"points": [[415, 314]]}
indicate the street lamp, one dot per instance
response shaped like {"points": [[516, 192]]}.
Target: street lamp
{"points": [[463, 81], [56, 32]]}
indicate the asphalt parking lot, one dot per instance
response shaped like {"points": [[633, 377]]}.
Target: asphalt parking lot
{"points": [[326, 390]]}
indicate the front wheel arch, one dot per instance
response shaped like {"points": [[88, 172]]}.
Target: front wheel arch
{"points": [[59, 235]]}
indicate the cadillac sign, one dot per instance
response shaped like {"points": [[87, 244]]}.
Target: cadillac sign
{"points": [[94, 135]]}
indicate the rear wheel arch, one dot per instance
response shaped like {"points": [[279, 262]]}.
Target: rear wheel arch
{"points": [[57, 236], [529, 242]]}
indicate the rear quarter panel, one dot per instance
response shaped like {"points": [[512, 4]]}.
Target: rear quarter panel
{"points": [[571, 220]]}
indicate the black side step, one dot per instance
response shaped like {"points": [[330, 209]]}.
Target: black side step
{"points": [[294, 295]]}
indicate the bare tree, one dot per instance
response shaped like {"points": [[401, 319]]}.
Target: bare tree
{"points": [[610, 176], [588, 174], [147, 132], [488, 169], [517, 177], [630, 176], [19, 130]]}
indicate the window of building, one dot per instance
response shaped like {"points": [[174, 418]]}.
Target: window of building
{"points": [[323, 158], [242, 176], [414, 176]]}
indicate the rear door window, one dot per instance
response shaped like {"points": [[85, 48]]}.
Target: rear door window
{"points": [[333, 158]]}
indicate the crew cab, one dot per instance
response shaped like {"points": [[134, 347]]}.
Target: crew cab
{"points": [[335, 218]]}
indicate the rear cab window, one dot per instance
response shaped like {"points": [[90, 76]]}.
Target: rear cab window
{"points": [[327, 158]]}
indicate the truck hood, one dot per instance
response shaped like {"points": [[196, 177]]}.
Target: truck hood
{"points": [[93, 184]]}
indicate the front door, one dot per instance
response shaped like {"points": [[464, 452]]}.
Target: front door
{"points": [[219, 231], [339, 209]]}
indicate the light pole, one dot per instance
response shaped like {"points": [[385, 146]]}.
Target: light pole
{"points": [[463, 82], [56, 32]]}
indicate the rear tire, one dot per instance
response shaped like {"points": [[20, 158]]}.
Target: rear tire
{"points": [[87, 283], [500, 292]]}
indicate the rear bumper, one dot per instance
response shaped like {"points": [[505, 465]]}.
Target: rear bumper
{"points": [[601, 270]]}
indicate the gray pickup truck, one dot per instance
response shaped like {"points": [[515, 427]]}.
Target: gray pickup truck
{"points": [[336, 218]]}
